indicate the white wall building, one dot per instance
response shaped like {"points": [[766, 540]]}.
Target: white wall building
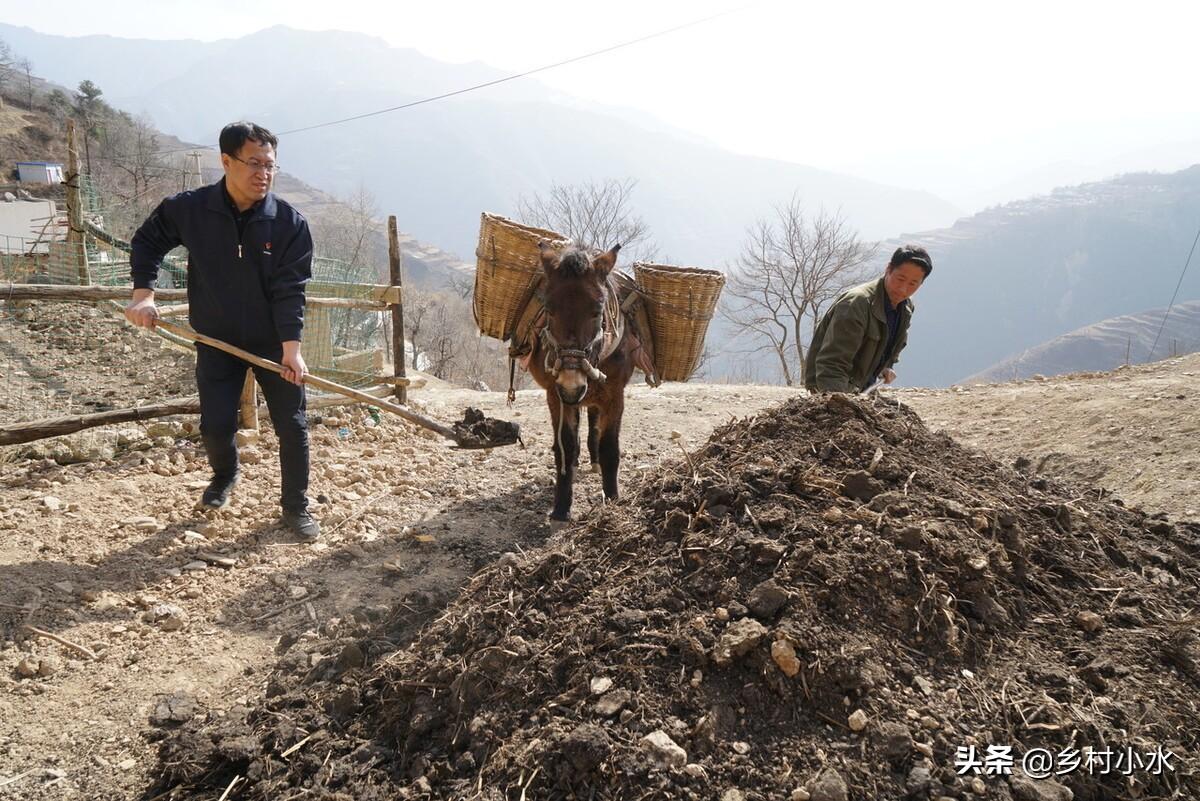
{"points": [[27, 224]]}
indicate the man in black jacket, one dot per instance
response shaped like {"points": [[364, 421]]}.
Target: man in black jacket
{"points": [[249, 258]]}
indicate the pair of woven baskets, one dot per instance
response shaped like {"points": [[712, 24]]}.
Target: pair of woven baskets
{"points": [[680, 301]]}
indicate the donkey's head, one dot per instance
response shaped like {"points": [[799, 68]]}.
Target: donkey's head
{"points": [[574, 333]]}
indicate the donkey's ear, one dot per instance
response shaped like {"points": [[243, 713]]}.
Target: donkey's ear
{"points": [[606, 260], [549, 255]]}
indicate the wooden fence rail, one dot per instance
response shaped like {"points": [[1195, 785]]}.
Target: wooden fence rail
{"points": [[378, 297]]}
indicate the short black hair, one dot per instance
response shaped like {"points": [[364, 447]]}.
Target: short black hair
{"points": [[915, 254], [235, 134]]}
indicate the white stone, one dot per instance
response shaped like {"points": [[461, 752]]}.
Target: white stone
{"points": [[148, 524], [738, 639], [169, 617], [664, 749]]}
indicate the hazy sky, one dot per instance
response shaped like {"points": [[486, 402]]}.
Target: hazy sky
{"points": [[974, 101]]}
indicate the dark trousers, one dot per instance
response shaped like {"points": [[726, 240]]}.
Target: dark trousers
{"points": [[219, 379]]}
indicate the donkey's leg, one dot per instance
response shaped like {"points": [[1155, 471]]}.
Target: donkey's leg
{"points": [[555, 414], [610, 446], [566, 451], [577, 448], [594, 437]]}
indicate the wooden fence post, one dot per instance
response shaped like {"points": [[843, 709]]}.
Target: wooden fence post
{"points": [[75, 243], [398, 354], [248, 415]]}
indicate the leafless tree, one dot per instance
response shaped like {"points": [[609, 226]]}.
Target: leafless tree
{"points": [[58, 105], [444, 344], [441, 332], [461, 284], [595, 215], [791, 267], [351, 236], [418, 304], [7, 63], [26, 68], [130, 150], [351, 232]]}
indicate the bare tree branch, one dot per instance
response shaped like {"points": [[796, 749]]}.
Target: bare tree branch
{"points": [[595, 216], [791, 267]]}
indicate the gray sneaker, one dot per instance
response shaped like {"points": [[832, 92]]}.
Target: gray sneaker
{"points": [[302, 524], [216, 495]]}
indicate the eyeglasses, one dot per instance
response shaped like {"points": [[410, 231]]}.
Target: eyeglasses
{"points": [[258, 166]]}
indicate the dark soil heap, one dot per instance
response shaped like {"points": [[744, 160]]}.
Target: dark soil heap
{"points": [[826, 602]]}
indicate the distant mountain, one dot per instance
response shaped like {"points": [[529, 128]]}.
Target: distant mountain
{"points": [[437, 166], [1041, 179], [1013, 277], [1105, 345]]}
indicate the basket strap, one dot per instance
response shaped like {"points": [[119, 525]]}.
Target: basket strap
{"points": [[512, 377], [613, 325]]}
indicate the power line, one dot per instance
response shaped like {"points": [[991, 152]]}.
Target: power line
{"points": [[1175, 295], [525, 74], [486, 84]]}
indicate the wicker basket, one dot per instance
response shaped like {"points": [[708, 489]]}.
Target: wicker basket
{"points": [[680, 302], [507, 266]]}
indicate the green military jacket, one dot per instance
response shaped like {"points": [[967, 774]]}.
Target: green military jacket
{"points": [[849, 340]]}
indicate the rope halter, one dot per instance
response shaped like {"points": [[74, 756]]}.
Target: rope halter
{"points": [[559, 358]]}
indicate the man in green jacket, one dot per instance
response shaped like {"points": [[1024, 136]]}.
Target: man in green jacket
{"points": [[861, 335]]}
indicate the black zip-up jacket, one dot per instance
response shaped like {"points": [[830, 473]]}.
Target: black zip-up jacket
{"points": [[246, 289]]}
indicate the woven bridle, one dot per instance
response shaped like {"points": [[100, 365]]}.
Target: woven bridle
{"points": [[556, 353], [593, 353]]}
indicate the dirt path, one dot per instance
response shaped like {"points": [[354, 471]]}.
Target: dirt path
{"points": [[1133, 431], [110, 555]]}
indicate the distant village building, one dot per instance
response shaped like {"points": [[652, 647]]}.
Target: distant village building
{"points": [[39, 172]]}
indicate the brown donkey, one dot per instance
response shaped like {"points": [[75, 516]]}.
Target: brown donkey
{"points": [[583, 356]]}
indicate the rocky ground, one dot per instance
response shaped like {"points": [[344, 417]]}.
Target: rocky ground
{"points": [[209, 620], [110, 554], [74, 359]]}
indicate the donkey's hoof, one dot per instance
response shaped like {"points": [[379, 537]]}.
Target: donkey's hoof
{"points": [[595, 467]]}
